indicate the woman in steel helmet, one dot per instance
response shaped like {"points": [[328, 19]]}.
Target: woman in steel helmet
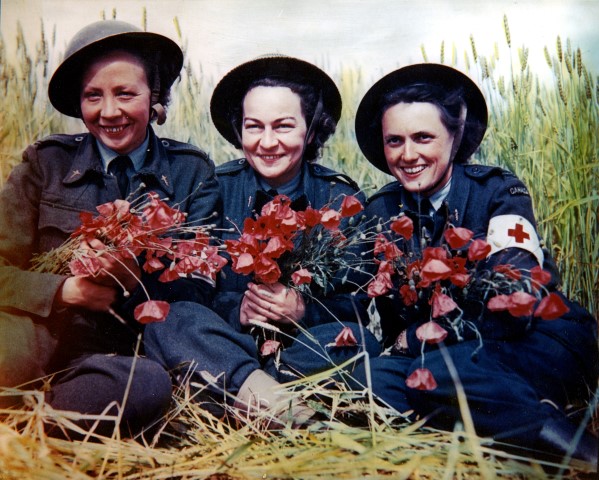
{"points": [[116, 79], [279, 111], [421, 124]]}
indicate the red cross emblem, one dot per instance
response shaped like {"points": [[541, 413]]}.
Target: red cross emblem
{"points": [[518, 233]]}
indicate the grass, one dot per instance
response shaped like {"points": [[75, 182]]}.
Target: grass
{"points": [[196, 445], [543, 131]]}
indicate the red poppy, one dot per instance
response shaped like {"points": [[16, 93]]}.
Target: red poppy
{"points": [[403, 226], [243, 264], [458, 237], [85, 265], [498, 303], [120, 210], [301, 276], [159, 217], [409, 296], [277, 246], [152, 265], [442, 304], [345, 338], [350, 206], [540, 276], [266, 270], [380, 285], [509, 271], [431, 332], [169, 275], [384, 246], [478, 250], [214, 261], [551, 307], [519, 304], [434, 270], [330, 219], [269, 347], [311, 217], [151, 311], [460, 279], [438, 253], [421, 379]]}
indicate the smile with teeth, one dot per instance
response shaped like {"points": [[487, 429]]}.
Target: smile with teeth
{"points": [[414, 170], [270, 157], [114, 129]]}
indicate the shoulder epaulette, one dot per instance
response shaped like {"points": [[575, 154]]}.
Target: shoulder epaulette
{"points": [[60, 139], [485, 171], [176, 146], [330, 174], [232, 166], [391, 187]]}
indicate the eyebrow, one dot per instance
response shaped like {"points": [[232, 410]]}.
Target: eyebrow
{"points": [[276, 119]]}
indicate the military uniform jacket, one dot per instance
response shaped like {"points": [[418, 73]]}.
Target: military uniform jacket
{"points": [[477, 195], [239, 190], [63, 175]]}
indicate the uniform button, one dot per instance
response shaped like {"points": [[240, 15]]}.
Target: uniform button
{"points": [[78, 139], [165, 143], [241, 161]]}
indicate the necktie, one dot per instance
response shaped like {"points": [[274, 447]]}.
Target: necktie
{"points": [[119, 168], [425, 207]]}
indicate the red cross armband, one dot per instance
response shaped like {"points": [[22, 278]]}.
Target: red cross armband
{"points": [[514, 231]]}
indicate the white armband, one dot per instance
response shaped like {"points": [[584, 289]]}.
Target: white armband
{"points": [[514, 231]]}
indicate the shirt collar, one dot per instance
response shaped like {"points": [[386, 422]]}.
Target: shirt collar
{"points": [[290, 189], [137, 156], [437, 198]]}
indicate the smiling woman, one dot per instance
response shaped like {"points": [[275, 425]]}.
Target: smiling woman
{"points": [[273, 133], [280, 111], [115, 101], [417, 146], [522, 352], [114, 77]]}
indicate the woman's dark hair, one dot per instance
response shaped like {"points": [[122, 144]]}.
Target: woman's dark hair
{"points": [[449, 102], [320, 128]]}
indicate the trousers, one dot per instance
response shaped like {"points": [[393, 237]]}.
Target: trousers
{"points": [[512, 387], [194, 337], [89, 384]]}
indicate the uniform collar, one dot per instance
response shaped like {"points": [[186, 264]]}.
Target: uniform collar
{"points": [[292, 188], [437, 198], [137, 156], [89, 161]]}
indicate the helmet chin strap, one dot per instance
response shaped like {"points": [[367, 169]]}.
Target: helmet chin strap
{"points": [[457, 141], [157, 109], [314, 122]]}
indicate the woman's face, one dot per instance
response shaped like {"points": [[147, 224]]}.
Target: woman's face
{"points": [[417, 146], [273, 132], [115, 101]]}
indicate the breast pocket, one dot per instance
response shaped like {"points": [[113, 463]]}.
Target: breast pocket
{"points": [[56, 223]]}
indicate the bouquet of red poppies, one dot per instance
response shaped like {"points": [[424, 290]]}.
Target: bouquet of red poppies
{"points": [[301, 249], [444, 279], [129, 229]]}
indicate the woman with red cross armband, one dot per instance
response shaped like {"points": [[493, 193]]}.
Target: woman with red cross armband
{"points": [[475, 304]]}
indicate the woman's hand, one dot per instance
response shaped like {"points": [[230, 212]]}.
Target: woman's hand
{"points": [[271, 303], [83, 292], [117, 270]]}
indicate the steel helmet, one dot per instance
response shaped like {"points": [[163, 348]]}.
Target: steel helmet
{"points": [[102, 37]]}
